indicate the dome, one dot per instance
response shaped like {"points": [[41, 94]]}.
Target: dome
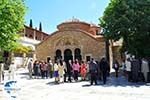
{"points": [[73, 23]]}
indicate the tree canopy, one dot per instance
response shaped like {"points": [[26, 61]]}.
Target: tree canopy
{"points": [[129, 20], [40, 27], [31, 25], [22, 49], [11, 22]]}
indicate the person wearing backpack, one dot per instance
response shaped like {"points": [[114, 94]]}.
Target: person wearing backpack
{"points": [[93, 68]]}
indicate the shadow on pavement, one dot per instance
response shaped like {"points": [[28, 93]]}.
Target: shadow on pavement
{"points": [[52, 83], [120, 81]]}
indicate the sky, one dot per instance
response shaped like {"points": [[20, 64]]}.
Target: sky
{"points": [[53, 12]]}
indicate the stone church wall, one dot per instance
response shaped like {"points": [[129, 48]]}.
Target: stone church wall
{"points": [[71, 39]]}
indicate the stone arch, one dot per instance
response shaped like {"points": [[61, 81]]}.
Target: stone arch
{"points": [[67, 40], [59, 42]]}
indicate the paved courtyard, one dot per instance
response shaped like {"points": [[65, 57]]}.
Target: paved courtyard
{"points": [[45, 89]]}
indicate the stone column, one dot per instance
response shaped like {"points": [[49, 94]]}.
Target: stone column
{"points": [[24, 60], [34, 33], [24, 32], [34, 56], [62, 54], [42, 37], [72, 54]]}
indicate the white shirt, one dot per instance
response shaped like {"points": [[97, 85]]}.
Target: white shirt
{"points": [[12, 67], [144, 67], [56, 67], [128, 65]]}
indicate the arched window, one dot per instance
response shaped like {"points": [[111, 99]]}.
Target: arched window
{"points": [[77, 54], [58, 55]]}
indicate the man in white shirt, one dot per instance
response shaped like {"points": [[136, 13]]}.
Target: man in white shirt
{"points": [[128, 68], [30, 68], [12, 69], [145, 68]]}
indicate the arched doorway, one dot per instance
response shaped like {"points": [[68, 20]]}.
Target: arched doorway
{"points": [[77, 54], [68, 55], [58, 55]]}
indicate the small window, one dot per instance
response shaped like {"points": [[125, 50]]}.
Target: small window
{"points": [[88, 58], [30, 36], [48, 59], [97, 32]]}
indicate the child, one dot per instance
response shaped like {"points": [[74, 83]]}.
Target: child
{"points": [[56, 75]]}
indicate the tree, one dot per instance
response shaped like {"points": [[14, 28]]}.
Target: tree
{"points": [[22, 49], [11, 22], [31, 25], [40, 27], [129, 20]]}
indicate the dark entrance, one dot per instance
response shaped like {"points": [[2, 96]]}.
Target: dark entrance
{"points": [[88, 58], [58, 55], [48, 59], [77, 54], [68, 55]]}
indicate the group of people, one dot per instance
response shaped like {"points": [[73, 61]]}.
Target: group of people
{"points": [[60, 70], [40, 69], [137, 69], [134, 69], [68, 71]]}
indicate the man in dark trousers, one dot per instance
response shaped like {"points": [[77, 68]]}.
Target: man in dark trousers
{"points": [[116, 67], [135, 67], [104, 66], [69, 70], [93, 68]]}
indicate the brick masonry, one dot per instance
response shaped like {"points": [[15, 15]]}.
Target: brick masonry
{"points": [[72, 37]]}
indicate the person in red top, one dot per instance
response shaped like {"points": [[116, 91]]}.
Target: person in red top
{"points": [[83, 70]]}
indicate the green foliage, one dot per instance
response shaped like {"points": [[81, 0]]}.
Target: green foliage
{"points": [[11, 21], [31, 25], [130, 20], [1, 56], [40, 27]]}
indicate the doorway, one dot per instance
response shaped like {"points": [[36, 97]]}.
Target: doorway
{"points": [[68, 55]]}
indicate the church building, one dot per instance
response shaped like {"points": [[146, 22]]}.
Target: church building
{"points": [[73, 39]]}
